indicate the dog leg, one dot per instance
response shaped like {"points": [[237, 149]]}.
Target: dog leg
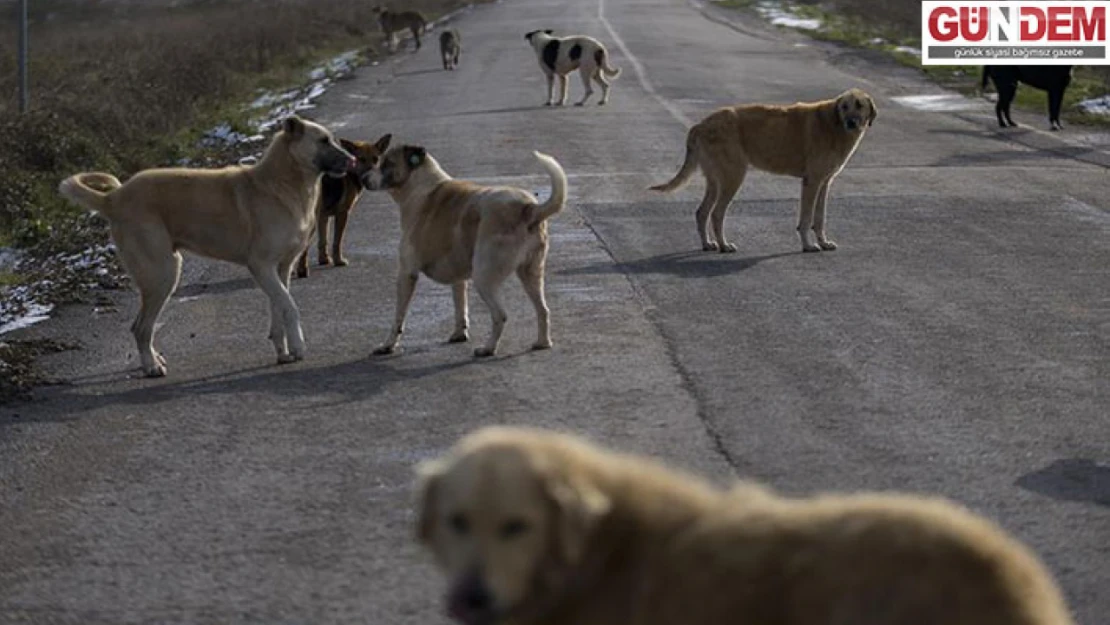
{"points": [[302, 264], [810, 190], [322, 257], [1006, 97], [728, 189], [337, 239], [599, 76], [271, 279], [531, 277], [406, 286], [563, 89], [823, 240], [585, 74], [462, 317], [1055, 102], [491, 267], [157, 282], [550, 89], [704, 210]]}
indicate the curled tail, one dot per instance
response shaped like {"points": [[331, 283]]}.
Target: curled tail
{"points": [[689, 165], [602, 58], [90, 190], [558, 198]]}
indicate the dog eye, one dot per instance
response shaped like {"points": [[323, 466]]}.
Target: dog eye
{"points": [[459, 523], [513, 528]]}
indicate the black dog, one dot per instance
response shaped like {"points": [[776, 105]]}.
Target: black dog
{"points": [[1051, 78]]}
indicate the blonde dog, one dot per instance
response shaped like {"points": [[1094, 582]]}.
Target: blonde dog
{"points": [[259, 216], [537, 528], [559, 56], [808, 140], [453, 230]]}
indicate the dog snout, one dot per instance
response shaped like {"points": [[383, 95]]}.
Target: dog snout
{"points": [[852, 123], [471, 601], [371, 180]]}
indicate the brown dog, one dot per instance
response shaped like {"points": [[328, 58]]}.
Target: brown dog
{"points": [[393, 22], [337, 197], [812, 141], [452, 230], [259, 216], [537, 528]]}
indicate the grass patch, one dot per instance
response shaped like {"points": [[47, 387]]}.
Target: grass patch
{"points": [[18, 372]]}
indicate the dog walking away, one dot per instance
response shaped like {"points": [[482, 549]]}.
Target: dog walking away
{"points": [[1051, 78], [808, 140], [450, 47], [537, 528], [337, 198], [559, 56], [393, 23], [453, 231], [259, 216]]}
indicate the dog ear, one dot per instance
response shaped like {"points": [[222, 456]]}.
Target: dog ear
{"points": [[414, 155], [579, 507], [428, 475], [548, 31], [874, 111], [383, 144], [293, 126]]}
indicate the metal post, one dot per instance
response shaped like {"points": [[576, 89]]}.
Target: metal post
{"points": [[24, 94]]}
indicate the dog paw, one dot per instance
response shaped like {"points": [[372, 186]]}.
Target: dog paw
{"points": [[826, 244], [161, 359], [727, 248], [459, 337], [285, 359], [324, 260], [157, 371], [579, 103], [603, 103], [709, 246], [384, 350], [541, 345], [342, 262], [811, 248], [302, 274], [483, 352]]}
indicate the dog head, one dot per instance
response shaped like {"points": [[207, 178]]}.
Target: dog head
{"points": [[855, 109], [505, 520], [394, 169], [367, 155], [529, 35], [314, 147]]}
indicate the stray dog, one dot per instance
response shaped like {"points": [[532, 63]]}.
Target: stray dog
{"points": [[393, 23], [1051, 78], [337, 198], [453, 230], [450, 47], [258, 216], [809, 140], [537, 528], [559, 56]]}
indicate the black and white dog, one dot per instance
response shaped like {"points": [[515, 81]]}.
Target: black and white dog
{"points": [[559, 56], [1051, 78]]}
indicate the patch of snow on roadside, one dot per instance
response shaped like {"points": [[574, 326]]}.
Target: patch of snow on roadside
{"points": [[31, 314], [783, 15], [1096, 106], [908, 50], [939, 102]]}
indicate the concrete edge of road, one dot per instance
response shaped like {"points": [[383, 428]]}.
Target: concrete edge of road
{"points": [[1026, 136]]}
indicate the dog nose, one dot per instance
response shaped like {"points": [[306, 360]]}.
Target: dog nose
{"points": [[352, 163], [476, 598]]}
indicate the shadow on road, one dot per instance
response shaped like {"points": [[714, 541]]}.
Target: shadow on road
{"points": [[515, 109], [695, 264], [215, 288], [1071, 479]]}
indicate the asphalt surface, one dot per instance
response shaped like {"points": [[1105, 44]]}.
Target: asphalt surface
{"points": [[957, 343]]}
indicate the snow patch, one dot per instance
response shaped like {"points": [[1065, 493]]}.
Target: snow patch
{"points": [[941, 102], [908, 50], [784, 15], [1096, 106]]}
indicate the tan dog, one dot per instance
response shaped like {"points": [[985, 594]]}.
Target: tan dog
{"points": [[259, 216], [812, 141], [537, 528], [559, 56], [452, 230]]}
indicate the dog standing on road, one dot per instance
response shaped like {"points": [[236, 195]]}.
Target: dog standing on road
{"points": [[450, 47], [809, 140], [1051, 78], [337, 198], [258, 216], [537, 528], [393, 23], [453, 231], [559, 56]]}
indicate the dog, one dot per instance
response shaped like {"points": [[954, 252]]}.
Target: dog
{"points": [[537, 528], [559, 56], [395, 22], [450, 47], [1051, 78], [337, 197], [453, 231], [809, 140], [259, 216]]}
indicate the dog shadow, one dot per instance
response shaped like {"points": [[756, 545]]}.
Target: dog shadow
{"points": [[214, 288], [514, 109], [418, 72], [693, 264], [1071, 479]]}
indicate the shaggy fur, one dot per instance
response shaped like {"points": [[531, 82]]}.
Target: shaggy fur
{"points": [[537, 528], [808, 140]]}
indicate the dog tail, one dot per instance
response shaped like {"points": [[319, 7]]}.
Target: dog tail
{"points": [[689, 165], [558, 198], [602, 58], [80, 189]]}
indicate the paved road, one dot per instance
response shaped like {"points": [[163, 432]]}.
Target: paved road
{"points": [[957, 343]]}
